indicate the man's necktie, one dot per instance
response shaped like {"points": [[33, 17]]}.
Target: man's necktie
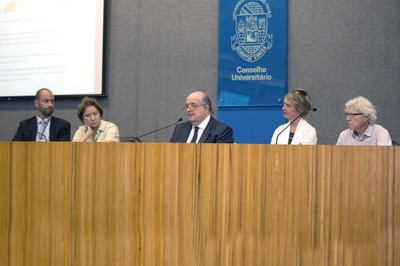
{"points": [[196, 130]]}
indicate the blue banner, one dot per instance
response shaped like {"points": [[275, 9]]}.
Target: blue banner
{"points": [[252, 52]]}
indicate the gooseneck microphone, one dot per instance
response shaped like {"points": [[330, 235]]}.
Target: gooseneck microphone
{"points": [[300, 115], [137, 139], [42, 136]]}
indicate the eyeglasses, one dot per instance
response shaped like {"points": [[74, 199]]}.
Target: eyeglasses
{"points": [[192, 106], [352, 114]]}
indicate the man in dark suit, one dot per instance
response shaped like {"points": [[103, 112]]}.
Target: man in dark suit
{"points": [[44, 126], [201, 127]]}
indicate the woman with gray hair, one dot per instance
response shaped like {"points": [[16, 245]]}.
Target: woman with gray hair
{"points": [[296, 105], [361, 116]]}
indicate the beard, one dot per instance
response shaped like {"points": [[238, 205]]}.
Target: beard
{"points": [[46, 111]]}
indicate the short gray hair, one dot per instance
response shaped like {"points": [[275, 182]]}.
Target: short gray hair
{"points": [[206, 100]]}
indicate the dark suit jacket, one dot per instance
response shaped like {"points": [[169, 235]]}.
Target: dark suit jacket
{"points": [[60, 130], [215, 132]]}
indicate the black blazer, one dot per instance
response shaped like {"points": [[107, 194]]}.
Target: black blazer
{"points": [[215, 132], [60, 130]]}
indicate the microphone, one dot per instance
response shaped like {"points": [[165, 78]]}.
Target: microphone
{"points": [[42, 136], [137, 139], [300, 115]]}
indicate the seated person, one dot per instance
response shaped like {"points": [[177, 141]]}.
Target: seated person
{"points": [[361, 116], [297, 104], [95, 129], [201, 127], [44, 126]]}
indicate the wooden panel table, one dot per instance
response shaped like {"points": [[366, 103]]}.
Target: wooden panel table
{"points": [[198, 204]]}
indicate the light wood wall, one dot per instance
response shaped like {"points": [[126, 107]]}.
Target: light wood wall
{"points": [[198, 204]]}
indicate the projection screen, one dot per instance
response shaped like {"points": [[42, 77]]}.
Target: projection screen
{"points": [[55, 44]]}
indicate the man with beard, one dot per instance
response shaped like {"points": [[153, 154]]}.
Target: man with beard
{"points": [[44, 126]]}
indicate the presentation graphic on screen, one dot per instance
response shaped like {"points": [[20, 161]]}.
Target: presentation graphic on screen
{"points": [[55, 44]]}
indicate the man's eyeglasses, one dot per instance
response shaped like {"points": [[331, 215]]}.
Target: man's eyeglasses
{"points": [[192, 106], [352, 114]]}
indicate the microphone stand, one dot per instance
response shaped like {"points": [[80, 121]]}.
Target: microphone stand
{"points": [[42, 135], [300, 115], [137, 139]]}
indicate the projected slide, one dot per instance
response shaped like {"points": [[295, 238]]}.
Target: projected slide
{"points": [[57, 44]]}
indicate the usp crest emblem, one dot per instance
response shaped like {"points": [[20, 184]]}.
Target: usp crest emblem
{"points": [[251, 40]]}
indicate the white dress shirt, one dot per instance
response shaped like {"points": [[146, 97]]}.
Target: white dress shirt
{"points": [[201, 127]]}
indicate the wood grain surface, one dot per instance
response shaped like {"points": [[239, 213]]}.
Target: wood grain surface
{"points": [[198, 204]]}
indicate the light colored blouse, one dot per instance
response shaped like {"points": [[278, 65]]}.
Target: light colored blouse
{"points": [[305, 134], [107, 131]]}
